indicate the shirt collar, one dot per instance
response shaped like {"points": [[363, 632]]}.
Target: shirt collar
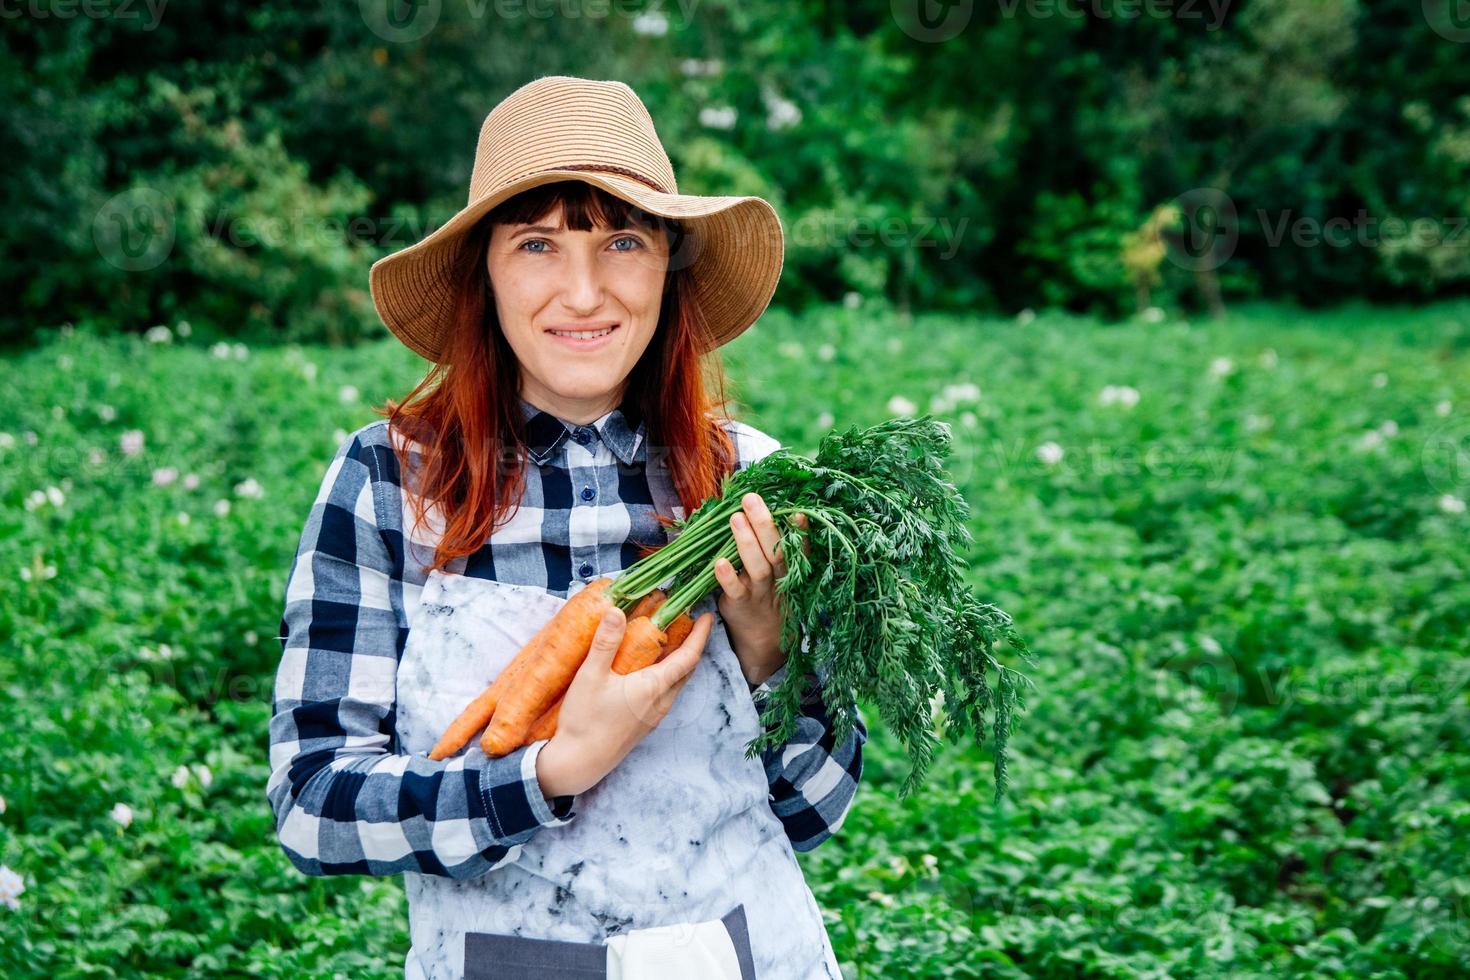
{"points": [[621, 430]]}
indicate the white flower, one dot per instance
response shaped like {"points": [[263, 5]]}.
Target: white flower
{"points": [[131, 442], [1153, 315], [652, 23], [1380, 379], [249, 488], [158, 335], [968, 420], [55, 495], [1389, 428], [7, 441], [347, 393], [899, 405], [122, 813], [36, 498], [1026, 316], [1451, 504], [308, 370], [339, 436], [221, 508], [694, 67], [1268, 357], [826, 352], [12, 886], [792, 350], [184, 517], [183, 329], [96, 458], [220, 350], [781, 113], [106, 413], [205, 776], [180, 778], [30, 437], [852, 299], [240, 351], [1049, 453], [718, 117], [2, 804], [1118, 395], [165, 652], [164, 475], [1442, 409], [881, 898], [191, 482], [251, 637], [825, 420], [25, 573], [931, 862], [1221, 366], [49, 571], [1371, 439]]}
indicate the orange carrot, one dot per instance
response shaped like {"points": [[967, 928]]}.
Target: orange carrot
{"points": [[549, 671], [570, 618], [643, 644]]}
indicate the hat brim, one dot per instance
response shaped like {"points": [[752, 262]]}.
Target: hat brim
{"points": [[735, 253]]}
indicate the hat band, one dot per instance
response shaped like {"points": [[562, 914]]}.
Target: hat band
{"points": [[608, 167]]}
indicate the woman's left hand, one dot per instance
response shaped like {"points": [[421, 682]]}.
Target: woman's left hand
{"points": [[750, 605]]}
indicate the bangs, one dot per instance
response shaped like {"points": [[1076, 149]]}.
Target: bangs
{"points": [[584, 207]]}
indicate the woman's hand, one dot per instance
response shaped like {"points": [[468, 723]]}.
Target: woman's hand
{"points": [[604, 713], [750, 605]]}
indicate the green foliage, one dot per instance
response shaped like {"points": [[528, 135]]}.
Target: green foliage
{"points": [[881, 599], [1248, 757], [910, 170]]}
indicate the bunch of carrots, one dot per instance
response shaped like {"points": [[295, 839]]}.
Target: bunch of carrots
{"points": [[522, 704], [874, 597]]}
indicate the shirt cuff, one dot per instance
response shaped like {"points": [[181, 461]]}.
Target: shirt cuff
{"points": [[514, 800]]}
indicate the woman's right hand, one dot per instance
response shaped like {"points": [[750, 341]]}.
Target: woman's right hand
{"points": [[604, 714]]}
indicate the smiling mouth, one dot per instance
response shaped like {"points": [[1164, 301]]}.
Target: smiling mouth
{"points": [[583, 334]]}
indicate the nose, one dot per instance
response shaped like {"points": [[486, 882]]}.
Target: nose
{"points": [[582, 290]]}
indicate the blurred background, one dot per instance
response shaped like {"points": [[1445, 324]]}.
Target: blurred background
{"points": [[1190, 278]]}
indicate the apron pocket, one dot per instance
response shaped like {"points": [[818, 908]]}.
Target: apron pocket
{"points": [[716, 949], [489, 956]]}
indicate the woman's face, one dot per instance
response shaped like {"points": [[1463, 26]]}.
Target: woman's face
{"points": [[577, 307]]}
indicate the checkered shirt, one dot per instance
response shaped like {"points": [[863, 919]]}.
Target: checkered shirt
{"points": [[346, 799]]}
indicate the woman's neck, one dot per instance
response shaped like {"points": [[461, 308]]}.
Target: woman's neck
{"points": [[577, 411]]}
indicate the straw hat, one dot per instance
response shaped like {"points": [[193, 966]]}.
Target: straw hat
{"points": [[561, 127]]}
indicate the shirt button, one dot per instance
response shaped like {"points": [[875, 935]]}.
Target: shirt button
{"points": [[582, 435], [586, 570], [588, 493]]}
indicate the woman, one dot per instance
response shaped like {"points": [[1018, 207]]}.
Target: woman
{"points": [[571, 311]]}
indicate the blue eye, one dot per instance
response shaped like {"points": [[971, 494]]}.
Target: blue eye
{"points": [[533, 241], [629, 238]]}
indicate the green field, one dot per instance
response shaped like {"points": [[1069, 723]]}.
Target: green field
{"points": [[1239, 550]]}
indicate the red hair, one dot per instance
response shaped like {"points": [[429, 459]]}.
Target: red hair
{"points": [[465, 413]]}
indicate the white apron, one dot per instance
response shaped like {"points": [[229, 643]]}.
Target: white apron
{"points": [[678, 837]]}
